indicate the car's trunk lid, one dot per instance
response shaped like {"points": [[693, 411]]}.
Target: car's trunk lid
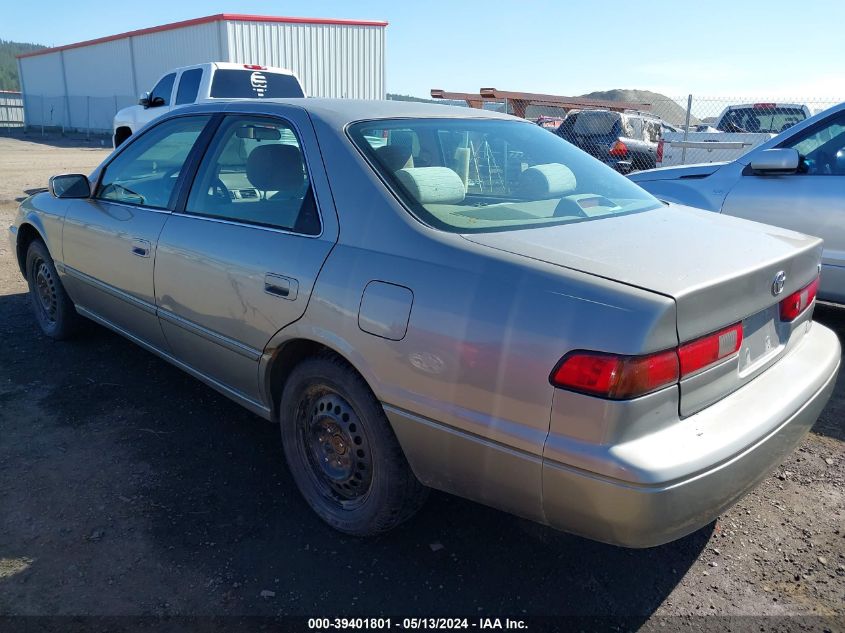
{"points": [[719, 270]]}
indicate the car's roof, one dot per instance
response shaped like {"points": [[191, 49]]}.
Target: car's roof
{"points": [[339, 112]]}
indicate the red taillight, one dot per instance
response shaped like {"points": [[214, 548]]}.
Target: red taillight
{"points": [[793, 305], [254, 67], [659, 155], [619, 149], [622, 377], [765, 106], [703, 352], [616, 377]]}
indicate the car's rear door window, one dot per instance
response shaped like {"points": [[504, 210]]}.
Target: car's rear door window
{"points": [[189, 85], [146, 171], [254, 172]]}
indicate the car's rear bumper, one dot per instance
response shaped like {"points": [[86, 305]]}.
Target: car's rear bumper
{"points": [[782, 404]]}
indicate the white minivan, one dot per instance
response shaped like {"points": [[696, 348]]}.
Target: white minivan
{"points": [[203, 82]]}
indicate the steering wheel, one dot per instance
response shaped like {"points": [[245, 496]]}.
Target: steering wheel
{"points": [[219, 191]]}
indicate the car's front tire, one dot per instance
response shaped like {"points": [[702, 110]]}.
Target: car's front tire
{"points": [[342, 452], [54, 311]]}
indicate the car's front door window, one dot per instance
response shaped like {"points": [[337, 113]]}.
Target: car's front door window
{"points": [[822, 148], [145, 173], [163, 90]]}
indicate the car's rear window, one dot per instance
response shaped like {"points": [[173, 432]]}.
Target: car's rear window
{"points": [[234, 83], [477, 175], [598, 122], [761, 119]]}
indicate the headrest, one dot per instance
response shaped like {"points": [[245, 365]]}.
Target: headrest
{"points": [[275, 167], [430, 185], [551, 180], [393, 157]]}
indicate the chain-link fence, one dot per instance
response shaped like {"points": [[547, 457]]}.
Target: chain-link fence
{"points": [[90, 115], [11, 109], [630, 135], [657, 132]]}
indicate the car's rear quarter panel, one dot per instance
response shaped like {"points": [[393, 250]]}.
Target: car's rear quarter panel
{"points": [[467, 389]]}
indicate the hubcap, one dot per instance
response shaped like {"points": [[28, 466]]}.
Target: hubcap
{"points": [[45, 290], [336, 447]]}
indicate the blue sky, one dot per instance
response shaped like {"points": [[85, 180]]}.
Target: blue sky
{"points": [[719, 48]]}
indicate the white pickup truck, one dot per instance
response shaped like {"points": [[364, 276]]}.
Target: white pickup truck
{"points": [[737, 130], [203, 82]]}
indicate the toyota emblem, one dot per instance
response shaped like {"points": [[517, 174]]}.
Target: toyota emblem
{"points": [[778, 283]]}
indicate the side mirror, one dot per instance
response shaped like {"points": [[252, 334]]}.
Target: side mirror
{"points": [[70, 186], [156, 102], [144, 99], [776, 161]]}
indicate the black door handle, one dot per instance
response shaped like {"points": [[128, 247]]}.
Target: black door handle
{"points": [[281, 286]]}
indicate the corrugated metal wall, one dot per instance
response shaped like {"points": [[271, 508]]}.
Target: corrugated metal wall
{"points": [[343, 61], [82, 88], [156, 53]]}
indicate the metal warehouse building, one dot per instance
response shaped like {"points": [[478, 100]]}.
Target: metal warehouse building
{"points": [[81, 86]]}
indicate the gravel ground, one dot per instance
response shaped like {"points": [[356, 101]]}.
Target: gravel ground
{"points": [[129, 488]]}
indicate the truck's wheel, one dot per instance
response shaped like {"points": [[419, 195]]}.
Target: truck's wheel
{"points": [[341, 451], [53, 309]]}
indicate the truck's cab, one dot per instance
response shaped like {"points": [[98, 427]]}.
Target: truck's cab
{"points": [[202, 82]]}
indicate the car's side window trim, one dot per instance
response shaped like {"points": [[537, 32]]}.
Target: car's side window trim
{"points": [[180, 208], [201, 142]]}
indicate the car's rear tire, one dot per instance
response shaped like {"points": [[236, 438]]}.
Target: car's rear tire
{"points": [[341, 451], [54, 311]]}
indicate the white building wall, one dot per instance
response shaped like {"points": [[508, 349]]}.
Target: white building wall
{"points": [[331, 60], [156, 53], [97, 79], [42, 84]]}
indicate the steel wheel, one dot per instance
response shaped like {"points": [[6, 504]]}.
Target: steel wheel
{"points": [[46, 291], [54, 311], [333, 441], [341, 450]]}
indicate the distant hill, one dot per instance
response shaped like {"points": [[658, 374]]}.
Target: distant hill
{"points": [[396, 97], [665, 107], [9, 65]]}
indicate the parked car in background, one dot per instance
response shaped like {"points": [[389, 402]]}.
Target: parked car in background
{"points": [[549, 122], [738, 129], [564, 130], [627, 141], [203, 82], [795, 180], [526, 327]]}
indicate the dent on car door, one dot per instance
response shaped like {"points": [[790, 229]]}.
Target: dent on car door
{"points": [[811, 201], [109, 240], [239, 261]]}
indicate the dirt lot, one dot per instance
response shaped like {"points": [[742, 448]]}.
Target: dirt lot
{"points": [[127, 487]]}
